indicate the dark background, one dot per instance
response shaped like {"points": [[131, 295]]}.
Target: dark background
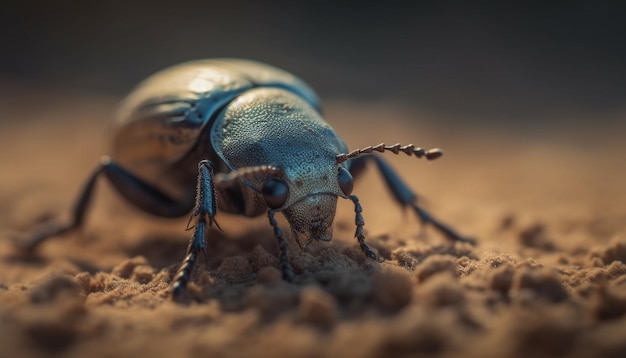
{"points": [[495, 60]]}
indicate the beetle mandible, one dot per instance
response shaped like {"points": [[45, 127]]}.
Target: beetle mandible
{"points": [[244, 137]]}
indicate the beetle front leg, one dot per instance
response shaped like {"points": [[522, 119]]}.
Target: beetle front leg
{"points": [[204, 212], [406, 197], [196, 245], [283, 256]]}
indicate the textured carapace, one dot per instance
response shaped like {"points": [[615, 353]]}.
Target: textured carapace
{"points": [[290, 134]]}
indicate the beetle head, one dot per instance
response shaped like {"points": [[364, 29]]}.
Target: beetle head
{"points": [[307, 196], [312, 218], [305, 193]]}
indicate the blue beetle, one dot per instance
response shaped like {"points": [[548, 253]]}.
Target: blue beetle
{"points": [[244, 137]]}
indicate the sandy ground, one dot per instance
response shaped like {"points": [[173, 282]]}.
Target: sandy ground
{"points": [[547, 278]]}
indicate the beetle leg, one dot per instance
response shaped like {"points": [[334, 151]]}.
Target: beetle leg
{"points": [[196, 245], [204, 212], [142, 194], [283, 257], [405, 196], [359, 233], [54, 228], [138, 192]]}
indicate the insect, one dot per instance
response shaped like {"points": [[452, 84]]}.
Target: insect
{"points": [[243, 137]]}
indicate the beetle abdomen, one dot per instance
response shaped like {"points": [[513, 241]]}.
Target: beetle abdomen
{"points": [[162, 118]]}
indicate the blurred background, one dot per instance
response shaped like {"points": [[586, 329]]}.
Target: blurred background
{"points": [[486, 62]]}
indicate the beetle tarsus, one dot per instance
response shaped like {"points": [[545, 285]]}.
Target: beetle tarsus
{"points": [[287, 273], [448, 232], [183, 275], [29, 244], [283, 247], [196, 245], [367, 250], [55, 228]]}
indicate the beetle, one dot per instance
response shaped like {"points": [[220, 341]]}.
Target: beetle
{"points": [[244, 137]]}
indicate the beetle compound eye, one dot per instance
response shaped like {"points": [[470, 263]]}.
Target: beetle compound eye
{"points": [[275, 193], [345, 180]]}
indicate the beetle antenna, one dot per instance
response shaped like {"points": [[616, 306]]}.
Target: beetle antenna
{"points": [[225, 180], [410, 149]]}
